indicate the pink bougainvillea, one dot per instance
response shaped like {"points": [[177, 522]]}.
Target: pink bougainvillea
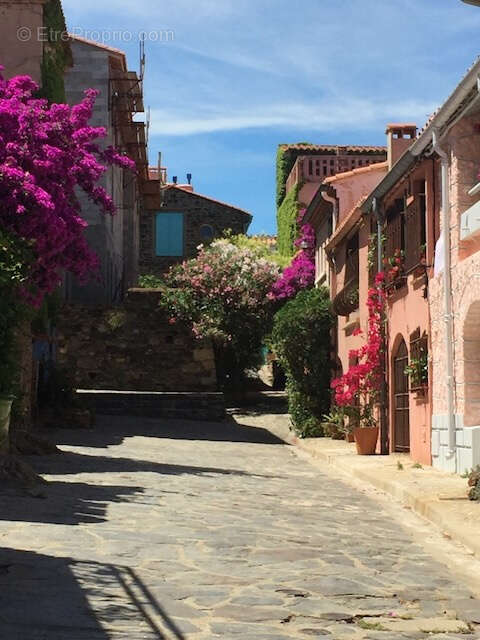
{"points": [[363, 378], [300, 274], [46, 153]]}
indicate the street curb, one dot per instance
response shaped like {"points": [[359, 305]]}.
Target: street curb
{"points": [[444, 513]]}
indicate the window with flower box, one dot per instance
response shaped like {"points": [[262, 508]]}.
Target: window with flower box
{"points": [[395, 242], [417, 368]]}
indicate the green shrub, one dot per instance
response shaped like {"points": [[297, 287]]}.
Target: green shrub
{"points": [[301, 341]]}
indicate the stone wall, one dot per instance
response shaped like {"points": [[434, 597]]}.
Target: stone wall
{"points": [[198, 210], [132, 347], [114, 239], [464, 155]]}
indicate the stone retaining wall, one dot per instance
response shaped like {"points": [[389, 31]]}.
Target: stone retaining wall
{"points": [[185, 406], [132, 347]]}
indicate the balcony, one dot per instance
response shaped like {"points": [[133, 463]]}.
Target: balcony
{"points": [[346, 301]]}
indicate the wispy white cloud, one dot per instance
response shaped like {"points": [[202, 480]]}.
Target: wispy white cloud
{"points": [[321, 116], [252, 73]]}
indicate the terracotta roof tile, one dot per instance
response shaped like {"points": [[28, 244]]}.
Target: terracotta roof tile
{"points": [[352, 217], [333, 148], [200, 195], [355, 172]]}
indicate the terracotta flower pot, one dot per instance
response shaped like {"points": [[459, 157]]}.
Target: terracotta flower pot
{"points": [[5, 408], [366, 440], [349, 437]]}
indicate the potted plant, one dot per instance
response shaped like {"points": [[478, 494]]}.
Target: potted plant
{"points": [[366, 433], [333, 424], [417, 371], [394, 266], [356, 390]]}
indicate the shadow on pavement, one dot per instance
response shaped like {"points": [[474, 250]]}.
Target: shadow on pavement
{"points": [[68, 503], [71, 463], [45, 597], [112, 430]]}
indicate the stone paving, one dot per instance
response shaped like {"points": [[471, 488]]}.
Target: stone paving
{"points": [[152, 529]]}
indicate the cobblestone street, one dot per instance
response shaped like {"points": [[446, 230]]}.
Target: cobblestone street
{"points": [[178, 530]]}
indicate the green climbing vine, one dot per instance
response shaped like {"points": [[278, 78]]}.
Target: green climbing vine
{"points": [[287, 226], [57, 55]]}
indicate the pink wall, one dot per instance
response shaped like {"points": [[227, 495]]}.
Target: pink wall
{"points": [[352, 186], [346, 341], [407, 311]]}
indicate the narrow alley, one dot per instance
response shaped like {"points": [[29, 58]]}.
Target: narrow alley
{"points": [[154, 529]]}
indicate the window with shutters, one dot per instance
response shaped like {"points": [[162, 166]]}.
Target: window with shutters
{"points": [[169, 234], [415, 232], [395, 229]]}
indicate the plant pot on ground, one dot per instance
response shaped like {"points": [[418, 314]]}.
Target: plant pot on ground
{"points": [[366, 440]]}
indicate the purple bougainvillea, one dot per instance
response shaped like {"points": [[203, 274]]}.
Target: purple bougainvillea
{"points": [[300, 274], [46, 153]]}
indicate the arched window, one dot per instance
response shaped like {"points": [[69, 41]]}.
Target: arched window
{"points": [[207, 232]]}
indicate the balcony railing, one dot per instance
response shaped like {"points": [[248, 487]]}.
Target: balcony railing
{"points": [[346, 300]]}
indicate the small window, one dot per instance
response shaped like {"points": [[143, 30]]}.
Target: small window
{"points": [[169, 234], [206, 232]]}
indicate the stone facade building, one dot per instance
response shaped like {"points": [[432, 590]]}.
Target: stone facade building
{"points": [[22, 55], [115, 239], [455, 317], [176, 220]]}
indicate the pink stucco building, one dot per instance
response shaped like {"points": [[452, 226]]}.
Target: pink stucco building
{"points": [[408, 211], [430, 202], [406, 204]]}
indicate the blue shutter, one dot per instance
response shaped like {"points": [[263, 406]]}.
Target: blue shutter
{"points": [[169, 234]]}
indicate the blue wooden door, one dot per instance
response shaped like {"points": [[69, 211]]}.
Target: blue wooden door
{"points": [[169, 234]]}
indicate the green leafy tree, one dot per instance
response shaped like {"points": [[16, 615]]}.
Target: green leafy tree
{"points": [[223, 294], [301, 341]]}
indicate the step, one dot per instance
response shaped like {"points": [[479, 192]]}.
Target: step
{"points": [[156, 404]]}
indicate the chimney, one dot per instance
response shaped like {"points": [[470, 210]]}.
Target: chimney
{"points": [[175, 179], [399, 138], [188, 186]]}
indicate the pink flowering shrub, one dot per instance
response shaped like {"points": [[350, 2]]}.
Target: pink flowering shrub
{"points": [[300, 274], [46, 153], [222, 294], [358, 387]]}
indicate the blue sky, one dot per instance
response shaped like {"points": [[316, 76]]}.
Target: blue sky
{"points": [[238, 77]]}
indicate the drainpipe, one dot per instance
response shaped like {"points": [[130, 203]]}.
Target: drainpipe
{"points": [[334, 202], [384, 435], [447, 288]]}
